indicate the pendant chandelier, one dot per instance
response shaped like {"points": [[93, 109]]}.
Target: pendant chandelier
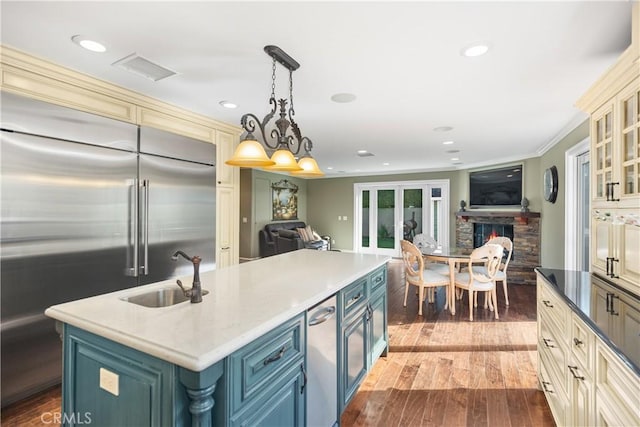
{"points": [[250, 152]]}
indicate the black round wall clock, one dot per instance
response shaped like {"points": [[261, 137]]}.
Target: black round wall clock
{"points": [[550, 184]]}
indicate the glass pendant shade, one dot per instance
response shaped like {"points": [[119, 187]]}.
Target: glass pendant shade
{"points": [[250, 153], [309, 168], [284, 162]]}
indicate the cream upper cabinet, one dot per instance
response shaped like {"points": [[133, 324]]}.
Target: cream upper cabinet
{"points": [[615, 144]]}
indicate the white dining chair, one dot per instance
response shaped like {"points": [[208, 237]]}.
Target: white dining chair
{"points": [[417, 275], [472, 281], [501, 275]]}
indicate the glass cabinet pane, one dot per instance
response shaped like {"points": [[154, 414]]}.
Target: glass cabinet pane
{"points": [[599, 186], [607, 125], [629, 114], [599, 131], [629, 179], [629, 146], [607, 155], [599, 159]]}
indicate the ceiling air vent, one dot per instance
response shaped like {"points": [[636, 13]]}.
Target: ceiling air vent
{"points": [[143, 67]]}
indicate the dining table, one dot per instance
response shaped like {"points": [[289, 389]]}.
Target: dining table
{"points": [[452, 255]]}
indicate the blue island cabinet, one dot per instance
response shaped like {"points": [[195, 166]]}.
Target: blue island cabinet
{"points": [[109, 384], [363, 331]]}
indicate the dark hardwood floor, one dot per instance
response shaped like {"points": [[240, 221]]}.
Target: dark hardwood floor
{"points": [[441, 370]]}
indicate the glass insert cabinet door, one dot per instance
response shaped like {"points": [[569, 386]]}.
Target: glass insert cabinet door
{"points": [[388, 213]]}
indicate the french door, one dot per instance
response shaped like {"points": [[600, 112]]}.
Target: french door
{"points": [[388, 212]]}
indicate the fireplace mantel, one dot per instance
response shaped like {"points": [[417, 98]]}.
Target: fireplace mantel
{"points": [[521, 217]]}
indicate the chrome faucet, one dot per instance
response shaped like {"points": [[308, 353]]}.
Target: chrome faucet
{"points": [[195, 293]]}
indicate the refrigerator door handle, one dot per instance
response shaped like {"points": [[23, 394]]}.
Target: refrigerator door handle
{"points": [[145, 267], [133, 270]]}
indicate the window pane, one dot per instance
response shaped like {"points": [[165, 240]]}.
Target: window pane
{"points": [[386, 219], [365, 219], [436, 192], [412, 213]]}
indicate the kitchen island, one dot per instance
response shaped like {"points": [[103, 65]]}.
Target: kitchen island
{"points": [[244, 345]]}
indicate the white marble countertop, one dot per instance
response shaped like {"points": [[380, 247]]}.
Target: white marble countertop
{"points": [[245, 302]]}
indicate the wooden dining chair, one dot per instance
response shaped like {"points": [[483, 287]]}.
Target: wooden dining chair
{"points": [[417, 275], [475, 281], [501, 275]]}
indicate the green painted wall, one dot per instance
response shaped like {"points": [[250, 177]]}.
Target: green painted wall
{"points": [[552, 224]]}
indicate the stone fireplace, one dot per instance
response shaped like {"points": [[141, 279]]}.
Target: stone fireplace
{"points": [[474, 227]]}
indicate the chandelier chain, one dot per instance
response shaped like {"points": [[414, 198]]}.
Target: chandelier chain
{"points": [[273, 79], [293, 112]]}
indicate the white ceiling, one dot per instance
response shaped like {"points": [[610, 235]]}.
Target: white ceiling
{"points": [[401, 59]]}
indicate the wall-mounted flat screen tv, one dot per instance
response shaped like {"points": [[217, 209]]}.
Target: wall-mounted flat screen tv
{"points": [[496, 187]]}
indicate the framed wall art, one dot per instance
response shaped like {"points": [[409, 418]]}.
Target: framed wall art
{"points": [[284, 200]]}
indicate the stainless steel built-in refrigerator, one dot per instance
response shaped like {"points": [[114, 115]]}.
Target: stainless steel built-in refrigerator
{"points": [[89, 205]]}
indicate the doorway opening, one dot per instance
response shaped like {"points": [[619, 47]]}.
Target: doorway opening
{"points": [[576, 253]]}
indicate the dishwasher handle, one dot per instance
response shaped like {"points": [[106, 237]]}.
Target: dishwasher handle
{"points": [[322, 315]]}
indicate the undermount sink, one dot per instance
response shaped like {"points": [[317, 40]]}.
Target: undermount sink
{"points": [[157, 298]]}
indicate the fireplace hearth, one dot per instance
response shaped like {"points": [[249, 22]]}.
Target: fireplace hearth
{"points": [[474, 228]]}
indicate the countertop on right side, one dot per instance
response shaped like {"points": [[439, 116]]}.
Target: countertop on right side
{"points": [[577, 288]]}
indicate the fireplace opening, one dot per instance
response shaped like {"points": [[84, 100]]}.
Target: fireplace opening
{"points": [[483, 232]]}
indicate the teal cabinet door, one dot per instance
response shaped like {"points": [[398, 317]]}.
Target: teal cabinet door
{"points": [[284, 404], [379, 338], [108, 384], [354, 356]]}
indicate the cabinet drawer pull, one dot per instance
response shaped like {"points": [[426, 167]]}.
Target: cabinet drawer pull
{"points": [[355, 298], [275, 357], [546, 342], [304, 382], [577, 342], [613, 274], [547, 303], [544, 386], [573, 370]]}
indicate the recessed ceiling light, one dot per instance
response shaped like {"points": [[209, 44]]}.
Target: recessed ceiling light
{"points": [[516, 170], [442, 129], [343, 98], [447, 143], [385, 164], [509, 176], [228, 104], [476, 49], [455, 159], [329, 167], [88, 44]]}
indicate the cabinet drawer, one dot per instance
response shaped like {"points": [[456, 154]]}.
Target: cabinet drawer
{"points": [[553, 349], [581, 342], [554, 310], [616, 385], [353, 297], [558, 402], [263, 361], [378, 279]]}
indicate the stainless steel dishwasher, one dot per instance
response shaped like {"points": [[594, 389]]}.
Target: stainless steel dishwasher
{"points": [[322, 362]]}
